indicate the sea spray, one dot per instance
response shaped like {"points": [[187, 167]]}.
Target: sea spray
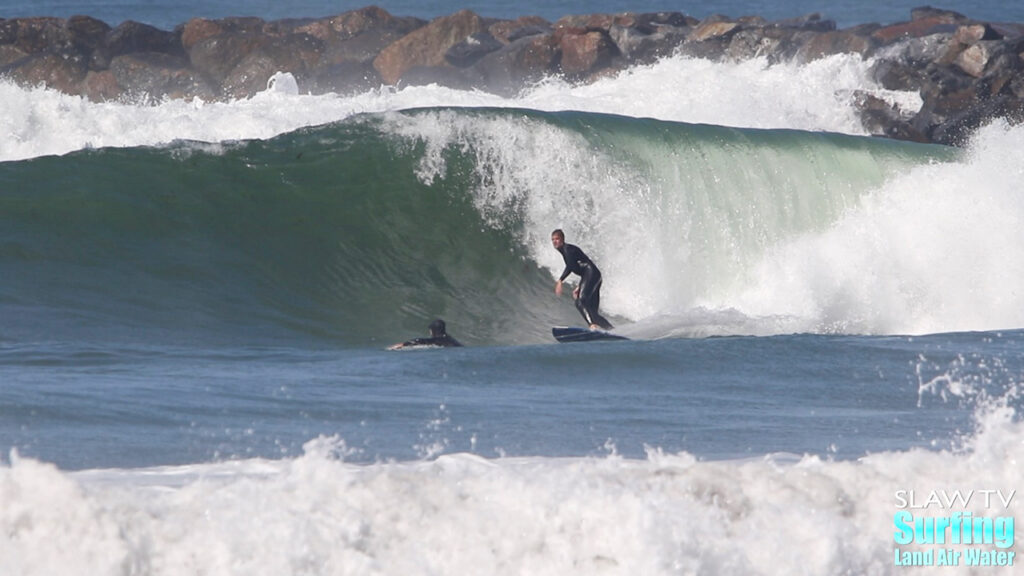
{"points": [[661, 514], [928, 250], [690, 209], [816, 96]]}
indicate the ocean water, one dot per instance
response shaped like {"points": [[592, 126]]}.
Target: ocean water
{"points": [[167, 15], [196, 298]]}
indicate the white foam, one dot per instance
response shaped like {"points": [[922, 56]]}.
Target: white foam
{"points": [[815, 97], [931, 250], [462, 514]]}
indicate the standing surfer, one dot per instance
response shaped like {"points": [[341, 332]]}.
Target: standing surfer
{"points": [[588, 294]]}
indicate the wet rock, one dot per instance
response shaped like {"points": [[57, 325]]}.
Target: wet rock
{"points": [[472, 49], [914, 29], [837, 42], [718, 27], [881, 118], [897, 75], [966, 72], [51, 70], [973, 33], [916, 52], [100, 86], [358, 36], [426, 46], [36, 35], [347, 77], [10, 55], [152, 76], [584, 51], [650, 37], [957, 129], [519, 64], [216, 56], [131, 37], [508, 31], [974, 59], [929, 13], [87, 34], [297, 54]]}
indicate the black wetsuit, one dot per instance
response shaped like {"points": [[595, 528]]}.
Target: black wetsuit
{"points": [[576, 262], [444, 341]]}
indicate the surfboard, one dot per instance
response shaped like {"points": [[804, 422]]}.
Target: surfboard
{"points": [[568, 334]]}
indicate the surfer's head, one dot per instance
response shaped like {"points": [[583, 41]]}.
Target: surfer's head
{"points": [[437, 328], [558, 238]]}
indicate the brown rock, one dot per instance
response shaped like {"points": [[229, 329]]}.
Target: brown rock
{"points": [[361, 49], [586, 52], [344, 78], [1009, 30], [508, 70], [356, 22], [50, 70], [974, 59], [35, 35], [100, 86], [426, 46], [929, 13], [508, 31], [216, 56], [87, 33], [471, 50], [961, 124], [132, 36], [359, 36], [152, 76], [9, 54], [585, 21], [709, 29], [198, 29], [915, 29], [880, 118], [896, 75], [974, 33], [296, 54], [838, 42], [646, 43]]}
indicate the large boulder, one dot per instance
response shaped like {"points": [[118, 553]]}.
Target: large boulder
{"points": [[298, 54], [515, 66], [49, 69], [584, 51], [153, 76], [426, 46], [358, 36], [472, 49], [216, 56], [650, 37], [837, 42]]}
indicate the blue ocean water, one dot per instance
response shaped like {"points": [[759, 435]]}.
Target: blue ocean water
{"points": [[196, 298], [167, 15]]}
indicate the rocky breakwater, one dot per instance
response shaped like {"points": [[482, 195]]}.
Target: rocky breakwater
{"points": [[966, 72]]}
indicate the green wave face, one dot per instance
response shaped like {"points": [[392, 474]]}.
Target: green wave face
{"points": [[361, 232]]}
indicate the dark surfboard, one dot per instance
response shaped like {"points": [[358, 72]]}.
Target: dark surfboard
{"points": [[568, 334]]}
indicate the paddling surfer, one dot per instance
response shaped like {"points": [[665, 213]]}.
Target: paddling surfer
{"points": [[438, 338]]}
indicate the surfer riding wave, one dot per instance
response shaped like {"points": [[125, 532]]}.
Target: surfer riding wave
{"points": [[588, 293]]}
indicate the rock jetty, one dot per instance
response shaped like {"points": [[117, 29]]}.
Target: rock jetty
{"points": [[966, 72]]}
